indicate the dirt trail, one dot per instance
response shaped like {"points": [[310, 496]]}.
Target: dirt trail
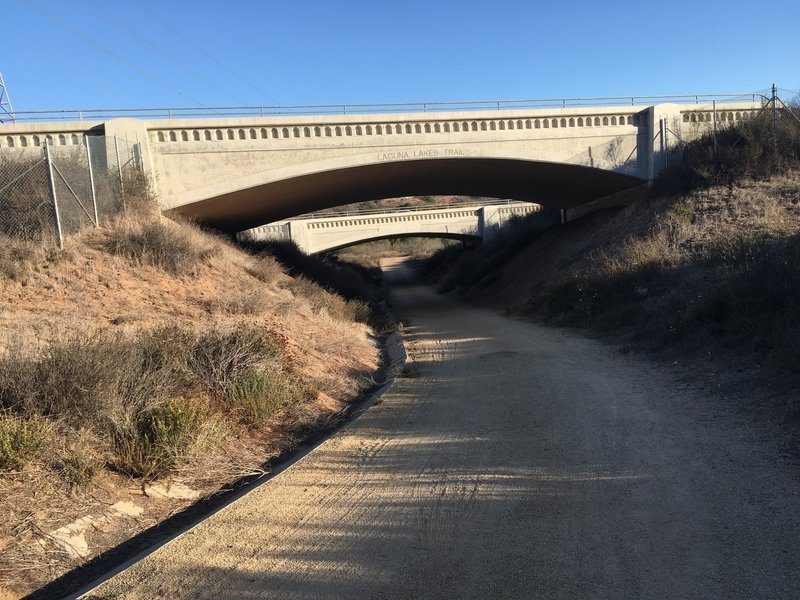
{"points": [[521, 462]]}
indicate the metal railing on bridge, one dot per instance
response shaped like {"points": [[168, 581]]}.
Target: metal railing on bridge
{"points": [[401, 209], [103, 114]]}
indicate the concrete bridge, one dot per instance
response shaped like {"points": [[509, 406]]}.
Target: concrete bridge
{"points": [[322, 233], [236, 169]]}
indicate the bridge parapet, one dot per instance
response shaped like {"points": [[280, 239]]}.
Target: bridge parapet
{"points": [[236, 172], [322, 234]]}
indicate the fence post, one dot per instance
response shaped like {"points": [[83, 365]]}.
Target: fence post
{"points": [[714, 104], [91, 180], [51, 179], [774, 120], [119, 171]]}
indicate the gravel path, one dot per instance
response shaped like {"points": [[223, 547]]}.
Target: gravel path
{"points": [[519, 462]]}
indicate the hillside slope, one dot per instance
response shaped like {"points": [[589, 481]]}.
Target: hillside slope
{"points": [[160, 333], [715, 271]]}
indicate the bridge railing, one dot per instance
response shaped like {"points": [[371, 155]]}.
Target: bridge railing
{"points": [[402, 209], [104, 114]]}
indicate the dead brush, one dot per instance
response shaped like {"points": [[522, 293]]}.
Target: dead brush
{"points": [[321, 299], [265, 268], [238, 301], [172, 248], [18, 257]]}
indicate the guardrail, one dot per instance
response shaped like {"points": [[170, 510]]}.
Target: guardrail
{"points": [[103, 114], [386, 211]]}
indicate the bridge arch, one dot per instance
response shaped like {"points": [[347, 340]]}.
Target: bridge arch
{"points": [[278, 194]]}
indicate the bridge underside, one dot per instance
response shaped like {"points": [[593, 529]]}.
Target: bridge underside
{"points": [[463, 237], [551, 184]]}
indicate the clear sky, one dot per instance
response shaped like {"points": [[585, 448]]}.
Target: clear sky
{"points": [[157, 53]]}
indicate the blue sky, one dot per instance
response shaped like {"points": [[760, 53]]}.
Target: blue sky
{"points": [[152, 53]]}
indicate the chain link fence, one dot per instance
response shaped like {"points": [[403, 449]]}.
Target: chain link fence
{"points": [[61, 189]]}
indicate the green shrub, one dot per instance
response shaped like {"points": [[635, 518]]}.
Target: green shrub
{"points": [[258, 394], [22, 439], [152, 444]]}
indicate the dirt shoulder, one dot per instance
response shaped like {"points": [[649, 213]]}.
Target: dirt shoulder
{"points": [[518, 461]]}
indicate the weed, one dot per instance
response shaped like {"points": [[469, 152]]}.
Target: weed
{"points": [[22, 439]]}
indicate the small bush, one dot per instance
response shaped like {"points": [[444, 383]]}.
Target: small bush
{"points": [[154, 243], [22, 439], [153, 443], [265, 268], [17, 256], [258, 394], [80, 467], [219, 358]]}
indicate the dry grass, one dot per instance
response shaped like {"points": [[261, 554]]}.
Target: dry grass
{"points": [[715, 264], [205, 399], [157, 243]]}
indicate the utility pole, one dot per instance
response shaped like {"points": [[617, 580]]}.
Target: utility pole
{"points": [[6, 110]]}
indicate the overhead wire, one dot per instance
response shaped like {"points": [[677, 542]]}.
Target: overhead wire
{"points": [[89, 40], [144, 41], [202, 50]]}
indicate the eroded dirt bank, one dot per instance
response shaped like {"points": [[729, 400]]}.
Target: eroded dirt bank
{"points": [[519, 462]]}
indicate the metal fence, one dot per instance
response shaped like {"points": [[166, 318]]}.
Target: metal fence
{"points": [[51, 191]]}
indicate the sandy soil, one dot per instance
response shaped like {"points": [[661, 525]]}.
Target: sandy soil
{"points": [[519, 462]]}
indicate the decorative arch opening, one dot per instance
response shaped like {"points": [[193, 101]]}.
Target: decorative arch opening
{"points": [[196, 135], [173, 137]]}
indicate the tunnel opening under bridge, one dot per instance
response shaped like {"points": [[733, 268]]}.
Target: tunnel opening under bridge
{"points": [[256, 200]]}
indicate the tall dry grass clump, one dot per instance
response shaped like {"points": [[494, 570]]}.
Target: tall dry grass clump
{"points": [[159, 243]]}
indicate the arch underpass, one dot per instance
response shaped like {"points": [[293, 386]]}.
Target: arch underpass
{"points": [[263, 198]]}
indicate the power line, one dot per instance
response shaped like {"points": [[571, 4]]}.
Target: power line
{"points": [[120, 25], [203, 51], [62, 23]]}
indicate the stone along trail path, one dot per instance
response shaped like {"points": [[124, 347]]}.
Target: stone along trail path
{"points": [[516, 462]]}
